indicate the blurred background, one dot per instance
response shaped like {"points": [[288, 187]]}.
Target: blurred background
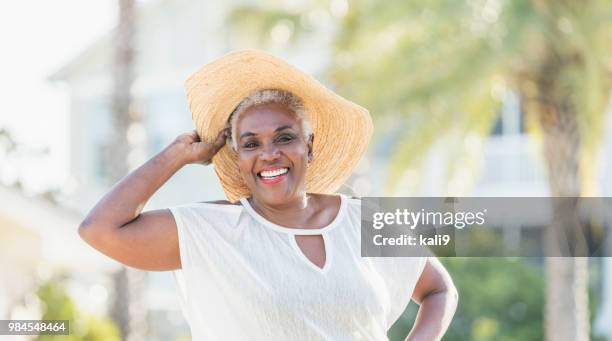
{"points": [[470, 98]]}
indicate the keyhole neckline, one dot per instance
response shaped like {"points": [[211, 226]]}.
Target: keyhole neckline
{"points": [[293, 230], [310, 263]]}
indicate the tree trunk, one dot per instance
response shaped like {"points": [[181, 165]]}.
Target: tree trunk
{"points": [[129, 309], [566, 312]]}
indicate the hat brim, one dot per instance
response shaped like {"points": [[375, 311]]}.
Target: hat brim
{"points": [[342, 129]]}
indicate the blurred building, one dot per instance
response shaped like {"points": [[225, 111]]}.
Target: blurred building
{"points": [[174, 38], [37, 240]]}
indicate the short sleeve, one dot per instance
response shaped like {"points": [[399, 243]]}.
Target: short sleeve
{"points": [[185, 254], [400, 275], [185, 235], [201, 229]]}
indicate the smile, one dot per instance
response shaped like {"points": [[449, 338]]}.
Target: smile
{"points": [[273, 176]]}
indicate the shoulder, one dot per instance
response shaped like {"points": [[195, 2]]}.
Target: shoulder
{"points": [[333, 200], [349, 205], [221, 202], [353, 203], [216, 214], [207, 207], [354, 199]]}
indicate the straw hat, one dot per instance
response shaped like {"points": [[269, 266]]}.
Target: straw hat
{"points": [[342, 129]]}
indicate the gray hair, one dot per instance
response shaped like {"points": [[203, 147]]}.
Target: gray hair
{"points": [[294, 103]]}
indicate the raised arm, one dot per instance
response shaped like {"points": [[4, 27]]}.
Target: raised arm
{"points": [[116, 227], [437, 297]]}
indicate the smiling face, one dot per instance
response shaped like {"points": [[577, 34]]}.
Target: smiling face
{"points": [[273, 153]]}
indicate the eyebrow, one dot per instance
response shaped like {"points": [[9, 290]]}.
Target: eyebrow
{"points": [[248, 133]]}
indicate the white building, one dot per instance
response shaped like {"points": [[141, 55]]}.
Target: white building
{"points": [[39, 239]]}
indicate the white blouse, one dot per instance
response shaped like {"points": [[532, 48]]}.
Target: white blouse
{"points": [[245, 278]]}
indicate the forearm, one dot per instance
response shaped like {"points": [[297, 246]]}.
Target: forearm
{"points": [[124, 202], [435, 314]]}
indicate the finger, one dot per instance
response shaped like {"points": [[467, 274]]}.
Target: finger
{"points": [[191, 136], [196, 137], [220, 141]]}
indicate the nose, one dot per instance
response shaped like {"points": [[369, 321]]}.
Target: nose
{"points": [[269, 152]]}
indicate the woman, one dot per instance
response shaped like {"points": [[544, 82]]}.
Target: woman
{"points": [[280, 260]]}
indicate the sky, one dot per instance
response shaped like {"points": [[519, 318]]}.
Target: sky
{"points": [[37, 38]]}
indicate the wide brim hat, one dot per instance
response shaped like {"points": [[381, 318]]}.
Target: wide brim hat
{"points": [[342, 129]]}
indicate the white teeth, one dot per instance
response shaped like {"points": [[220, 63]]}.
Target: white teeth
{"points": [[276, 172]]}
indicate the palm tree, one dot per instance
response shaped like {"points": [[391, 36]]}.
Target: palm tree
{"points": [[129, 309], [440, 65]]}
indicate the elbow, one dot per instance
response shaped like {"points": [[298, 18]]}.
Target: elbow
{"points": [[449, 291], [447, 286], [452, 296], [85, 230], [89, 232]]}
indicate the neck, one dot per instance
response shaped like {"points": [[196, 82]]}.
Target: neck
{"points": [[290, 211]]}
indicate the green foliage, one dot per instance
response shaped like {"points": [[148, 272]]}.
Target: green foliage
{"points": [[254, 24], [499, 299], [59, 306]]}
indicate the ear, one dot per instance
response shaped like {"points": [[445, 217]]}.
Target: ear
{"points": [[310, 142]]}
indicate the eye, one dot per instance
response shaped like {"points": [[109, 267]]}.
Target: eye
{"points": [[285, 138], [249, 145]]}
